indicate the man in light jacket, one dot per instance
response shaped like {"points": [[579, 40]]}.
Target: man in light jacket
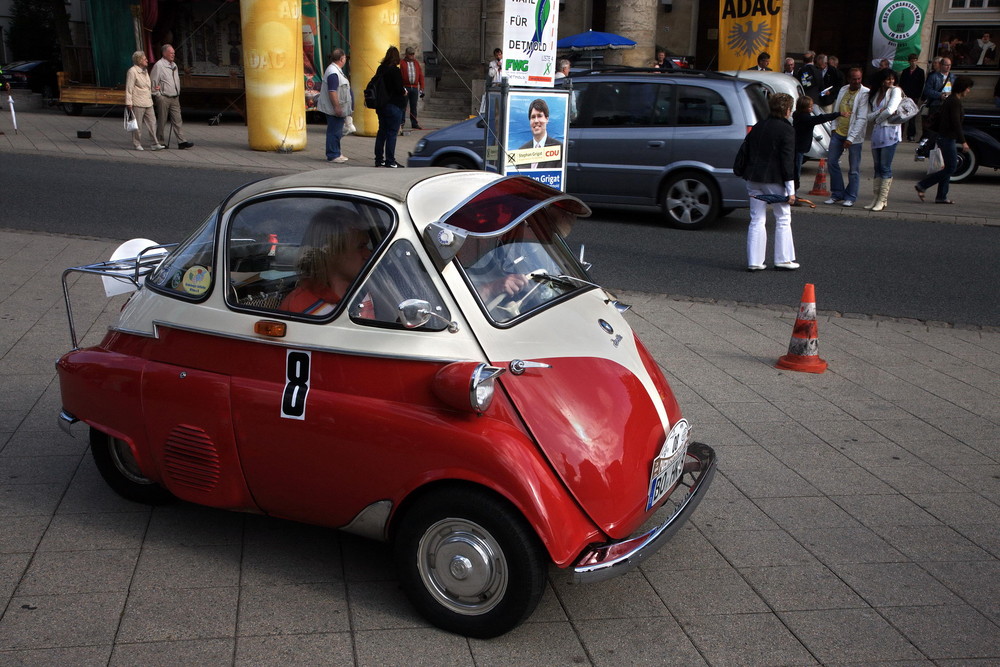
{"points": [[166, 93], [849, 133], [336, 102]]}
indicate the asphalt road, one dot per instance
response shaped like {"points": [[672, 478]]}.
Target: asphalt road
{"points": [[893, 268]]}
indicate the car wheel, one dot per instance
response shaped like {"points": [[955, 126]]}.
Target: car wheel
{"points": [[119, 469], [690, 200], [470, 563], [455, 162], [72, 108], [966, 167]]}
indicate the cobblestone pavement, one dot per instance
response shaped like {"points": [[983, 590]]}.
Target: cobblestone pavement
{"points": [[854, 520]]}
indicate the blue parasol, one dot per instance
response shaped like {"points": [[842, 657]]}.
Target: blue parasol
{"points": [[593, 40]]}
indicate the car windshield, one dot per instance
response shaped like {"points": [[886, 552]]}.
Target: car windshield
{"points": [[524, 268]]}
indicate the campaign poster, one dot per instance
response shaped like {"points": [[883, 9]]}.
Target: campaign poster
{"points": [[536, 124], [529, 42]]}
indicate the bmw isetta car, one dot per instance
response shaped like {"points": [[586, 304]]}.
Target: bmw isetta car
{"points": [[415, 356]]}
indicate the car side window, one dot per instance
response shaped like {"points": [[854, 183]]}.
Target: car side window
{"points": [[620, 104], [701, 106], [303, 256], [187, 271], [399, 276]]}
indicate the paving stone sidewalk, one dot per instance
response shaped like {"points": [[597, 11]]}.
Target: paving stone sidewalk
{"points": [[854, 519]]}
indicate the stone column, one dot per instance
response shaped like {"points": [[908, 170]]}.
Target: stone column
{"points": [[635, 19]]}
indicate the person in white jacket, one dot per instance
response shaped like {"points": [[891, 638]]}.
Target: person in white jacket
{"points": [[882, 103], [849, 133]]}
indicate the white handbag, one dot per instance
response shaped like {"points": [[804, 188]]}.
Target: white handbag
{"points": [[906, 110], [131, 124]]}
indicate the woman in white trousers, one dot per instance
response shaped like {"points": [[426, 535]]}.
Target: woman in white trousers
{"points": [[770, 170]]}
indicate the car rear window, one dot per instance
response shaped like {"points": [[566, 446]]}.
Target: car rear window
{"points": [[697, 105]]}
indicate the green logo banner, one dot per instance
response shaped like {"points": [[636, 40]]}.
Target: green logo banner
{"points": [[897, 31]]}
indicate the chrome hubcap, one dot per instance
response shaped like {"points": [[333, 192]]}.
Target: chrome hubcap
{"points": [[462, 566]]}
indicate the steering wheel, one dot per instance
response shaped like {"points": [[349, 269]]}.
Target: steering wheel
{"points": [[510, 304]]}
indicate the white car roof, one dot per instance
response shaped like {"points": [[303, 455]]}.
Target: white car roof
{"points": [[777, 82]]}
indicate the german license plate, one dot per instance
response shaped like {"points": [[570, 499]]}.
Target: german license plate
{"points": [[666, 472]]}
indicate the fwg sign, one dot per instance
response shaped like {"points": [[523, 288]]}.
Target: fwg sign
{"points": [[529, 41]]}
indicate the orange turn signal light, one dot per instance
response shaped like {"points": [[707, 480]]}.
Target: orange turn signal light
{"points": [[270, 328]]}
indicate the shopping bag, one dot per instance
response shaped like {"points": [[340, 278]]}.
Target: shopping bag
{"points": [[349, 126], [131, 124], [935, 161]]}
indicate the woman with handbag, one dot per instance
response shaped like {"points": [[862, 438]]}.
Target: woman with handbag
{"points": [[139, 100], [886, 135], [768, 166], [949, 136]]}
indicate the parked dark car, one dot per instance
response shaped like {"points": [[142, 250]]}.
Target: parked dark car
{"points": [[642, 138], [982, 132], [38, 76]]}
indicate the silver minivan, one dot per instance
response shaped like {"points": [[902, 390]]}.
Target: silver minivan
{"points": [[641, 138]]}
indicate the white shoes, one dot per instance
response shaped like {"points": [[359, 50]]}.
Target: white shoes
{"points": [[139, 148], [831, 200], [158, 147], [848, 203], [786, 266], [340, 159], [756, 267]]}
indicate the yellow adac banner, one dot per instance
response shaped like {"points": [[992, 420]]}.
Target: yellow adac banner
{"points": [[748, 28]]}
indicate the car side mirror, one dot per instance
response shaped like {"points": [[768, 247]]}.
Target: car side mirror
{"points": [[415, 313]]}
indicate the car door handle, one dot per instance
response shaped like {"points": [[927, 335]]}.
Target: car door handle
{"points": [[518, 366], [656, 144]]}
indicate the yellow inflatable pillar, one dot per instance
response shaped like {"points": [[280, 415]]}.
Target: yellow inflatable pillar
{"points": [[272, 67], [374, 28]]}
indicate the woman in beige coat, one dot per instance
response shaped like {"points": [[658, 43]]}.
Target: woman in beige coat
{"points": [[139, 99]]}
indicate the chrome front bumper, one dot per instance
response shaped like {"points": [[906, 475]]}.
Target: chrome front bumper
{"points": [[611, 559]]}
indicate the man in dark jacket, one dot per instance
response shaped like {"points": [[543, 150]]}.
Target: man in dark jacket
{"points": [[911, 80], [770, 170]]}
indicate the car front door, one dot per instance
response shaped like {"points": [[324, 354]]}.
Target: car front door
{"points": [[328, 401]]}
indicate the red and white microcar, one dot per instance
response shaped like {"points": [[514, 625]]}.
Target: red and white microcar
{"points": [[411, 355]]}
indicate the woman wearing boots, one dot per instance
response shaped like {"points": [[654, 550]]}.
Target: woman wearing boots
{"points": [[883, 102]]}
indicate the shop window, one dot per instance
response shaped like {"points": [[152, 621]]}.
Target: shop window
{"points": [[974, 4], [969, 47]]}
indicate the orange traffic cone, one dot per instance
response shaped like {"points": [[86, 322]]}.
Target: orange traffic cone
{"points": [[819, 185], [803, 349]]}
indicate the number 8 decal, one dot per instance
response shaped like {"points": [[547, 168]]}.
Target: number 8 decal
{"points": [[293, 400]]}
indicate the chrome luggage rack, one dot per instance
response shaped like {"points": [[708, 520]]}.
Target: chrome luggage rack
{"points": [[126, 269]]}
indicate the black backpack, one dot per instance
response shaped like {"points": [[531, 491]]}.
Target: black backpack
{"points": [[376, 95]]}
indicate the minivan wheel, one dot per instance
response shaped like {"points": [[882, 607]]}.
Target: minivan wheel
{"points": [[469, 562], [966, 166], [455, 162], [120, 470], [690, 200]]}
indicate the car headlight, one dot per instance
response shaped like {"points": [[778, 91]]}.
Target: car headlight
{"points": [[467, 385], [421, 145]]}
